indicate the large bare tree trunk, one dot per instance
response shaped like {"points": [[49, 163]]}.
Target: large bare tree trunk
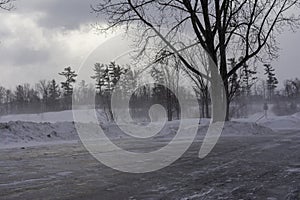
{"points": [[218, 96]]}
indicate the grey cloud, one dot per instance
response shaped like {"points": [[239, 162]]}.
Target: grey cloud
{"points": [[22, 55], [29, 56], [69, 14]]}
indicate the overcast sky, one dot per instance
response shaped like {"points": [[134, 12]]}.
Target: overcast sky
{"points": [[41, 37]]}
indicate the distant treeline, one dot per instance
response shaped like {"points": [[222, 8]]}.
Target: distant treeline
{"points": [[48, 95]]}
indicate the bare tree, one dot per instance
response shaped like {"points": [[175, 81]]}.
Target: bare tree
{"points": [[43, 88], [248, 27], [200, 84], [170, 77], [6, 4]]}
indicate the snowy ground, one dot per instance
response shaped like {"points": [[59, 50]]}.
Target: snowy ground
{"points": [[45, 160], [249, 167]]}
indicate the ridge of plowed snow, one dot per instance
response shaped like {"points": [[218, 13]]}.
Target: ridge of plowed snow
{"points": [[23, 133], [53, 117]]}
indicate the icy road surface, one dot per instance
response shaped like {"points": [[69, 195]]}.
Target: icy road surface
{"points": [[240, 167]]}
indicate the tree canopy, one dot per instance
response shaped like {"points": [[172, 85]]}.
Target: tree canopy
{"points": [[244, 29]]}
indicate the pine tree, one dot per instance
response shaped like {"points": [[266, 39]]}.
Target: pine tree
{"points": [[70, 79], [68, 87], [54, 91], [115, 73], [272, 81], [107, 76], [100, 74], [128, 83], [242, 80], [248, 79]]}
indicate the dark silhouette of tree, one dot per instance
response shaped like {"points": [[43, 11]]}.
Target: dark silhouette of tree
{"points": [[54, 91], [20, 97], [239, 88], [248, 79], [70, 79], [26, 99], [241, 81], [272, 81], [233, 82], [67, 86], [54, 95]]}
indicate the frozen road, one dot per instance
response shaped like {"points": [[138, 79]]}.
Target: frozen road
{"points": [[252, 167]]}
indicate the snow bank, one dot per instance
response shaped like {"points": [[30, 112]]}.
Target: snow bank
{"points": [[282, 123], [59, 127], [52, 117], [231, 128], [290, 122], [18, 134], [245, 128], [30, 133]]}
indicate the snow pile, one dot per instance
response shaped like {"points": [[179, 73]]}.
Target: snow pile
{"points": [[245, 128], [282, 123], [234, 128], [30, 133], [289, 122], [231, 128], [23, 133], [53, 117], [297, 115]]}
